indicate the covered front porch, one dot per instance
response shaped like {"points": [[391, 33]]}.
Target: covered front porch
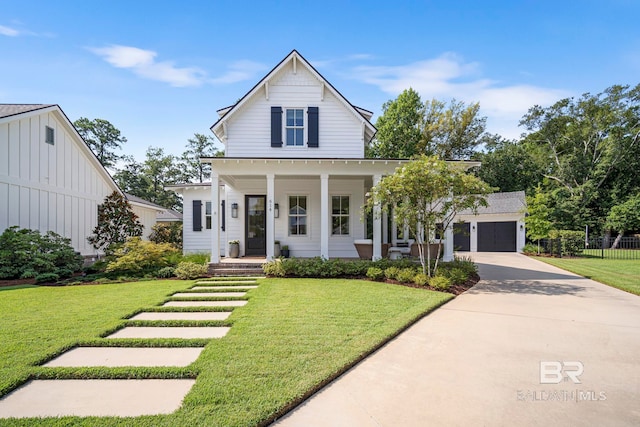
{"points": [[311, 206]]}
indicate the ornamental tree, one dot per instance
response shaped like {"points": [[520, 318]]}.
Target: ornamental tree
{"points": [[116, 222], [425, 193]]}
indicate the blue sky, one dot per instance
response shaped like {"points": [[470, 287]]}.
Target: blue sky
{"points": [[159, 70]]}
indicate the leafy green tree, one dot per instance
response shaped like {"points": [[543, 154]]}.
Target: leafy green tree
{"points": [[399, 127], [167, 233], [199, 146], [624, 217], [538, 223], [453, 131], [580, 145], [508, 166], [424, 193], [102, 138], [116, 223]]}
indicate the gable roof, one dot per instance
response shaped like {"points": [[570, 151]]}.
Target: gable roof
{"points": [[226, 112], [7, 110], [502, 203]]}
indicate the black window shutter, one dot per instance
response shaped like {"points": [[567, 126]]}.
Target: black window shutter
{"points": [[224, 215], [197, 215], [276, 126], [313, 127]]}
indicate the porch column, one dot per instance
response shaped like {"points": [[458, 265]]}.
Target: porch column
{"points": [[215, 219], [448, 244], [270, 218], [385, 226], [324, 216], [377, 225], [394, 231]]}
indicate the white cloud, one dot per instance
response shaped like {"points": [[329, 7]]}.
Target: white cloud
{"points": [[239, 71], [143, 63], [449, 76], [8, 31]]}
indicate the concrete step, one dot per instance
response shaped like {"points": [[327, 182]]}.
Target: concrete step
{"points": [[182, 315], [98, 398], [127, 356], [208, 294], [186, 332], [204, 303], [227, 288]]}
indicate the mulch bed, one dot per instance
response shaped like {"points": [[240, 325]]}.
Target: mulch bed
{"points": [[454, 289]]}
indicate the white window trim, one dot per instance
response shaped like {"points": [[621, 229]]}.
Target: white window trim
{"points": [[305, 128], [340, 236], [309, 216]]}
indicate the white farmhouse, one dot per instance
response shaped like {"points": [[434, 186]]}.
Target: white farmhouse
{"points": [[49, 178], [294, 171]]}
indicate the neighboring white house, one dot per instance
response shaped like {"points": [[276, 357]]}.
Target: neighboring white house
{"points": [[294, 171], [49, 178]]}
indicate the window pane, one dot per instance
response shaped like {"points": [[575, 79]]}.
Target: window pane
{"points": [[302, 202], [299, 136], [290, 117], [302, 230], [335, 205], [291, 136], [208, 208], [344, 205], [345, 225], [299, 118], [335, 225]]}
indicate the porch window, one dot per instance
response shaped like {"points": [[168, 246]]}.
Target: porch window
{"points": [[297, 215], [207, 215], [340, 215], [294, 127]]}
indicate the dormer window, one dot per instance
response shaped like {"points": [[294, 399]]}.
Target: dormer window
{"points": [[294, 127]]}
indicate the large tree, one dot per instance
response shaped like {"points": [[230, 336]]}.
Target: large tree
{"points": [[426, 193], [581, 145], [399, 127], [102, 137], [199, 146], [116, 223], [508, 166]]}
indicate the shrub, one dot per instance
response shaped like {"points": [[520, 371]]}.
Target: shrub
{"points": [[457, 276], [406, 275], [167, 233], [165, 273], [530, 249], [421, 279], [273, 268], [440, 283], [190, 270], [391, 273], [137, 256], [375, 273], [47, 278], [572, 241], [29, 253]]}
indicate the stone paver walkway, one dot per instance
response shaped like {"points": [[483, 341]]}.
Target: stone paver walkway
{"points": [[125, 398]]}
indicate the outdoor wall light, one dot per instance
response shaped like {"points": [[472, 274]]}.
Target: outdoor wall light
{"points": [[234, 210], [276, 210], [473, 228], [521, 227]]}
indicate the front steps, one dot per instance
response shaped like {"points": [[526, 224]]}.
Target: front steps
{"points": [[236, 269]]}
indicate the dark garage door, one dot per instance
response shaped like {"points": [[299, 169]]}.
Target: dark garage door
{"points": [[497, 236], [461, 237]]}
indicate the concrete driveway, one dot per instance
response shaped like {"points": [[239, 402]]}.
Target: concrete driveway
{"points": [[529, 345]]}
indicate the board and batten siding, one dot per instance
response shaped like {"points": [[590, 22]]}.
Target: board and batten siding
{"points": [[48, 187], [200, 241], [340, 130]]}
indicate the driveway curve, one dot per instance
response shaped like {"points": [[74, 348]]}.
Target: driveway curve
{"points": [[529, 345]]}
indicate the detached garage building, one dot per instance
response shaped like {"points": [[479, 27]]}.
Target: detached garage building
{"points": [[497, 228]]}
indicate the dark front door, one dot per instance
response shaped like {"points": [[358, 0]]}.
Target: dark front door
{"points": [[497, 236], [461, 237], [256, 225]]}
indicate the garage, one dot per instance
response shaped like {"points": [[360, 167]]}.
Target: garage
{"points": [[462, 237], [497, 236]]}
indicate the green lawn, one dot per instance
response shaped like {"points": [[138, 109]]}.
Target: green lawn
{"points": [[621, 274], [292, 337]]}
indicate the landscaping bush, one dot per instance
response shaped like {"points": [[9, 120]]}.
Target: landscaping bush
{"points": [[572, 241], [167, 233], [406, 275], [421, 279], [391, 273], [27, 253], [190, 270], [530, 249], [440, 283], [165, 273], [457, 276], [47, 278], [273, 269], [138, 256], [375, 273]]}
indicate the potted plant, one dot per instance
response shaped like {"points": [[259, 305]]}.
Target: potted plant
{"points": [[276, 248], [285, 251], [234, 248]]}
